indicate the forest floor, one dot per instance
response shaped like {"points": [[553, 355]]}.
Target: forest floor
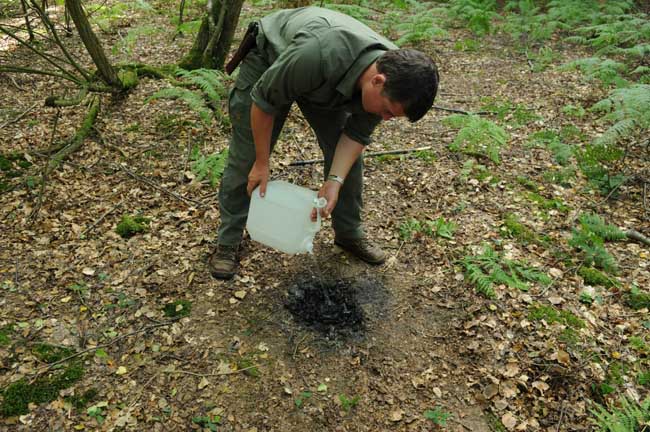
{"points": [[240, 359]]}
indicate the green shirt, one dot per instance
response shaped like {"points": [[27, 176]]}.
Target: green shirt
{"points": [[316, 57]]}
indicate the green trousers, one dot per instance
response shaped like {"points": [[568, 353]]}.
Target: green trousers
{"points": [[328, 126]]}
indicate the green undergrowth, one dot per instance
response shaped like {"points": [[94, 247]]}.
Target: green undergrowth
{"points": [[538, 312], [626, 416], [489, 268], [209, 167], [477, 136], [131, 225], [12, 166], [513, 228], [178, 309], [439, 227], [589, 239], [17, 396], [592, 276], [637, 298]]}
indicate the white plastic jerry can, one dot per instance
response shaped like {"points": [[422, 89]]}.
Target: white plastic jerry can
{"points": [[282, 219]]}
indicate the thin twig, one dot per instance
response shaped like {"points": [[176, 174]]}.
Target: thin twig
{"points": [[187, 201], [98, 221], [559, 423], [107, 344], [8, 122], [369, 154], [454, 110], [232, 372]]}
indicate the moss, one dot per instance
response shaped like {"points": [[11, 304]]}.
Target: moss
{"points": [[547, 204], [51, 353], [17, 396], [81, 401], [177, 309], [5, 333], [251, 369], [552, 315], [637, 299], [5, 164], [131, 225], [518, 230], [527, 183], [591, 276]]}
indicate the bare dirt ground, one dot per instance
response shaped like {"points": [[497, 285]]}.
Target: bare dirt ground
{"points": [[429, 339]]}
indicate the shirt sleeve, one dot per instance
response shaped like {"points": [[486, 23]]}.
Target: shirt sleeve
{"points": [[360, 126], [296, 72]]}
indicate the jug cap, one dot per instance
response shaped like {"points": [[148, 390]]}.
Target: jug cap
{"points": [[320, 202]]}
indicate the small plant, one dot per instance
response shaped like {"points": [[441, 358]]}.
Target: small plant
{"points": [[563, 176], [97, 412], [590, 238], [299, 401], [607, 71], [348, 403], [546, 203], [131, 225], [81, 401], [211, 423], [210, 167], [637, 299], [467, 45], [574, 111], [419, 25], [477, 136], [643, 378], [438, 416], [488, 268], [5, 335], [516, 114], [638, 344], [178, 309], [439, 227], [629, 416]]}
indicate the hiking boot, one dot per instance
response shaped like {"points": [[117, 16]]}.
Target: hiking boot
{"points": [[223, 262], [363, 249]]}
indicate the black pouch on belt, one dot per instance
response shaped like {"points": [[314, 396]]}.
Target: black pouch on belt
{"points": [[247, 44]]}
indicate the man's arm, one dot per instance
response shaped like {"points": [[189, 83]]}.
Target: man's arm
{"points": [[346, 153], [262, 125]]}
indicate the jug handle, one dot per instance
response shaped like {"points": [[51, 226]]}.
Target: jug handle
{"points": [[319, 203]]}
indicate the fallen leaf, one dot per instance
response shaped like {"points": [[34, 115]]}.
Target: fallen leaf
{"points": [[396, 415], [121, 370], [203, 383], [509, 421]]}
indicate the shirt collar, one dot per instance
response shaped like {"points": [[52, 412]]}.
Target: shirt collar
{"points": [[347, 86]]}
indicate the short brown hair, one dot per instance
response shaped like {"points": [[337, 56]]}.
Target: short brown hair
{"points": [[411, 80]]}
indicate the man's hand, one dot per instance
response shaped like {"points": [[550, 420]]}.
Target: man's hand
{"points": [[259, 175], [330, 191]]}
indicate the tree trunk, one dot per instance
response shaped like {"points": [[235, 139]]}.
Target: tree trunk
{"points": [[215, 36], [104, 67]]}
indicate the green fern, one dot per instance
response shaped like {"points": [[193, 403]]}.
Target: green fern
{"points": [[477, 136], [608, 71], [127, 43], [210, 81], [628, 108], [476, 14], [597, 225], [527, 25], [194, 100], [590, 237], [210, 167], [489, 268], [630, 416], [418, 24]]}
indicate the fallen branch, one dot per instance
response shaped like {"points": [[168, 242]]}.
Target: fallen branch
{"points": [[635, 235], [187, 201], [454, 110], [8, 122], [232, 372], [369, 154], [66, 151]]}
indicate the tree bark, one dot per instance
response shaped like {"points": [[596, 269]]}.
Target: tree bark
{"points": [[92, 44], [215, 36]]}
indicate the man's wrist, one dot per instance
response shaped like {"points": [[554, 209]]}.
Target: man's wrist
{"points": [[335, 178]]}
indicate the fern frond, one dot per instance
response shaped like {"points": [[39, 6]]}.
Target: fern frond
{"points": [[192, 99], [477, 136], [597, 225], [208, 80]]}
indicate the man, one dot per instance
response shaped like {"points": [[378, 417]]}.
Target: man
{"points": [[345, 79]]}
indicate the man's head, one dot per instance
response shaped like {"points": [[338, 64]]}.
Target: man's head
{"points": [[403, 82]]}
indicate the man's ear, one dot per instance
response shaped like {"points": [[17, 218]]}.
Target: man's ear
{"points": [[378, 79]]}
